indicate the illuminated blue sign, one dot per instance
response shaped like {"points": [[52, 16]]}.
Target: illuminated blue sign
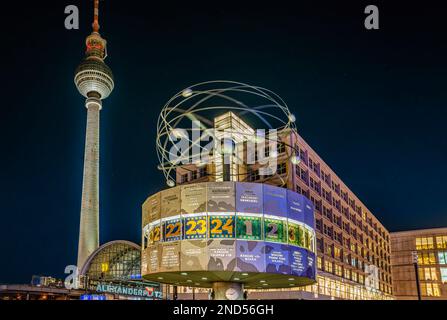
{"points": [[93, 297]]}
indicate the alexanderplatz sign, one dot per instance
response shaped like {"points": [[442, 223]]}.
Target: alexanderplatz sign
{"points": [[132, 290]]}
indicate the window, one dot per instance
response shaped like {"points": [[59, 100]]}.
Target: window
{"points": [[339, 271], [442, 257], [194, 175], [319, 264], [428, 274], [425, 258], [320, 245], [253, 175], [303, 156], [281, 168], [315, 185], [281, 147], [328, 250], [424, 243], [328, 266], [318, 225], [443, 275], [184, 178], [430, 289], [301, 173], [361, 279], [337, 253], [441, 242], [203, 171], [347, 274]]}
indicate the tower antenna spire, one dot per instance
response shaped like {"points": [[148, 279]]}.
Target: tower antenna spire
{"points": [[96, 16]]}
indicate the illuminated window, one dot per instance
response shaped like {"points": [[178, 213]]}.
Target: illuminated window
{"points": [[424, 243], [441, 242], [337, 253], [319, 265], [430, 289], [347, 274], [354, 276], [428, 274], [425, 258], [442, 257], [443, 275], [361, 279], [339, 271], [328, 266]]}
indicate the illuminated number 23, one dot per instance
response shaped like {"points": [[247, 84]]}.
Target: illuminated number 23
{"points": [[195, 227]]}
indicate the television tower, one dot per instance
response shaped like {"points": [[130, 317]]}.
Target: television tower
{"points": [[94, 80]]}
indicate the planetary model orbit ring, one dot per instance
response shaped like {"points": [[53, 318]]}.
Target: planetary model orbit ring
{"points": [[196, 102]]}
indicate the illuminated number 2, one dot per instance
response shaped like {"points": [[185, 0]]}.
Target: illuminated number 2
{"points": [[218, 224], [273, 233]]}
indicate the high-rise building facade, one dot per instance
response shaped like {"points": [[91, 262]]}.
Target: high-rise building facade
{"points": [[353, 247], [94, 80], [427, 248]]}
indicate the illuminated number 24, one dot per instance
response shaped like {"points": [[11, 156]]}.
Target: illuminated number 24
{"points": [[219, 226]]}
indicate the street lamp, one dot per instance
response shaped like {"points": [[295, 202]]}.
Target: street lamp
{"points": [[414, 256]]}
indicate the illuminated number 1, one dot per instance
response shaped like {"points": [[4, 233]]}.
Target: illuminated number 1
{"points": [[248, 227]]}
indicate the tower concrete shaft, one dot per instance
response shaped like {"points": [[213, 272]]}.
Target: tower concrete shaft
{"points": [[89, 226]]}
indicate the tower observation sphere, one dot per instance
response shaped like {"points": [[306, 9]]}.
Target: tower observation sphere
{"points": [[94, 78]]}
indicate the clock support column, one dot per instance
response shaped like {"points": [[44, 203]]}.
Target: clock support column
{"points": [[228, 291]]}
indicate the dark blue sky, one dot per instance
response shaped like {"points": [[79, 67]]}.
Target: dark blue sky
{"points": [[371, 103]]}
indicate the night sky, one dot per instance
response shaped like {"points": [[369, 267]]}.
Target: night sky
{"points": [[371, 103]]}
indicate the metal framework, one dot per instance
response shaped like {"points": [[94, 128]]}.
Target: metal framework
{"points": [[197, 102]]}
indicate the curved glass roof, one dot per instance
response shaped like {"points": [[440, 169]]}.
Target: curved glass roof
{"points": [[116, 260]]}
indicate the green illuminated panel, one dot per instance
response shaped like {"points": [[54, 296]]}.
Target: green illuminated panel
{"points": [[249, 228], [275, 230]]}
